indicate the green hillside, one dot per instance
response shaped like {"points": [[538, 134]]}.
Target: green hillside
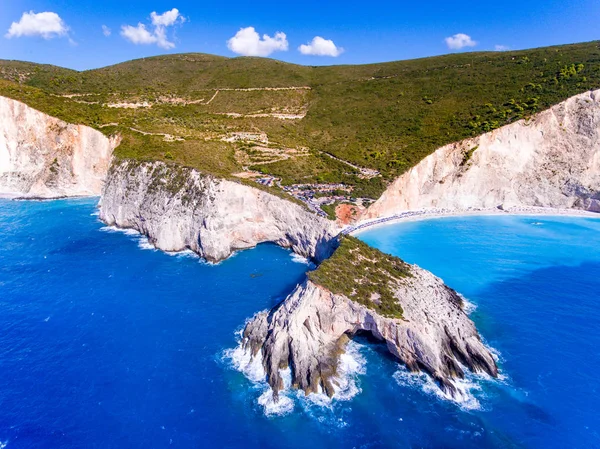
{"points": [[385, 117]]}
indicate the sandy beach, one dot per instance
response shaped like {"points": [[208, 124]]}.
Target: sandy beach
{"points": [[430, 214]]}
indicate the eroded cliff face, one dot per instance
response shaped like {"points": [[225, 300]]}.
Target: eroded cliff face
{"points": [[551, 160], [308, 331], [180, 208], [42, 156]]}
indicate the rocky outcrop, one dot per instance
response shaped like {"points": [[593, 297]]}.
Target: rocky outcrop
{"points": [[42, 156], [308, 330], [551, 160], [180, 208]]}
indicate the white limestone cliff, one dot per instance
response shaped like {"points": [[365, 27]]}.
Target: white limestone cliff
{"points": [[551, 160], [308, 330], [180, 208], [44, 157]]}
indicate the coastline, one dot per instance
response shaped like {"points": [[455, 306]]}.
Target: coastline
{"points": [[20, 197], [430, 214]]}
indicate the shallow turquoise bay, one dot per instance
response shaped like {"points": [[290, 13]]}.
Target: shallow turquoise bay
{"points": [[106, 343]]}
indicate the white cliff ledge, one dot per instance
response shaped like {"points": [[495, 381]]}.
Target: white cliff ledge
{"points": [[308, 330], [180, 208], [42, 156], [551, 160]]}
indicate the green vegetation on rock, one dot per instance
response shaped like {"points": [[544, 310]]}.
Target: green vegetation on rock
{"points": [[329, 209], [385, 117], [363, 274]]}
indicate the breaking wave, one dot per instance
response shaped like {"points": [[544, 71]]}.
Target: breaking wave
{"points": [[144, 243], [346, 386], [468, 306], [142, 240], [351, 364], [131, 232], [252, 367], [469, 389], [300, 259]]}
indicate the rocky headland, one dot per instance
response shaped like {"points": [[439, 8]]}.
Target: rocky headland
{"points": [[360, 289], [180, 208]]}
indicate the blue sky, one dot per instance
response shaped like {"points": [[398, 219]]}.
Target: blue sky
{"points": [[350, 32]]}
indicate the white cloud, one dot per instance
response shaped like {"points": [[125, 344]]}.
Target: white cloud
{"points": [[459, 41], [140, 35], [44, 24], [501, 48], [106, 30], [247, 42], [167, 19], [161, 38], [321, 47]]}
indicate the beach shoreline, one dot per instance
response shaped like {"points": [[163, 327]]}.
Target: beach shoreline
{"points": [[431, 214]]}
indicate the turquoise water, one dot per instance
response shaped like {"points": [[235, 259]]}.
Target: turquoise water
{"points": [[536, 284], [106, 343]]}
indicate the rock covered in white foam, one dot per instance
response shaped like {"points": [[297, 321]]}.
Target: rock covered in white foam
{"points": [[44, 157]]}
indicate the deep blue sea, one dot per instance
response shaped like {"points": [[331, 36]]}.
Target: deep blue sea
{"points": [[106, 343]]}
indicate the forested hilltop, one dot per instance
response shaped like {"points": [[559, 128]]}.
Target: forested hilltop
{"points": [[338, 132]]}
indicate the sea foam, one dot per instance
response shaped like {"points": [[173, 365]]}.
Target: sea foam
{"points": [[144, 243], [131, 232], [241, 359], [303, 260], [351, 365], [142, 240], [468, 389], [468, 306]]}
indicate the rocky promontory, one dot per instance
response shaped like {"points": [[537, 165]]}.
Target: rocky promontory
{"points": [[359, 289], [181, 208]]}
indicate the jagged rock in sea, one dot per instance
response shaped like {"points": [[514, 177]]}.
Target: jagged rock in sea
{"points": [[180, 208], [550, 160], [308, 330], [44, 157]]}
